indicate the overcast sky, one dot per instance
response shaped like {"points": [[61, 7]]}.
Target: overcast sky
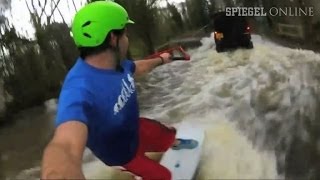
{"points": [[20, 17]]}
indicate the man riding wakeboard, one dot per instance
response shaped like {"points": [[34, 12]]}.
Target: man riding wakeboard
{"points": [[98, 105]]}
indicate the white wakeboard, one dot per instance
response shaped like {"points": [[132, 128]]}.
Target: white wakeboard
{"points": [[183, 163]]}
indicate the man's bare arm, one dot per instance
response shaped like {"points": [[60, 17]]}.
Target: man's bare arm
{"points": [[147, 65], [62, 158]]}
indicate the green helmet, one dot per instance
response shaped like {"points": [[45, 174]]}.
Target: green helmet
{"points": [[94, 21]]}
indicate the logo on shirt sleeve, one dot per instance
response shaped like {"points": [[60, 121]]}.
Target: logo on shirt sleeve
{"points": [[128, 88]]}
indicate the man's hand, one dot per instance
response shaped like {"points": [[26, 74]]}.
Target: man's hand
{"points": [[147, 65], [167, 58]]}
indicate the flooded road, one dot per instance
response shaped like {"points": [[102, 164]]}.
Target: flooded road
{"points": [[259, 108]]}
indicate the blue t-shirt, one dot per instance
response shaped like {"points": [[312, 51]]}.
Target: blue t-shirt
{"points": [[106, 101]]}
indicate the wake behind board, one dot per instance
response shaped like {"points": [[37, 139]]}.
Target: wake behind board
{"points": [[184, 163]]}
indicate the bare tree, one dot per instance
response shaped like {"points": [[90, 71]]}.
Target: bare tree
{"points": [[56, 7], [74, 5], [36, 17]]}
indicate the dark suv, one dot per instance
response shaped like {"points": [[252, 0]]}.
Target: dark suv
{"points": [[231, 32]]}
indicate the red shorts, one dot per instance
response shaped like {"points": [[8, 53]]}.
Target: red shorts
{"points": [[153, 137]]}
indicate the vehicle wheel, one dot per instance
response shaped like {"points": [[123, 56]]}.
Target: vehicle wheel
{"points": [[219, 48], [250, 45]]}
